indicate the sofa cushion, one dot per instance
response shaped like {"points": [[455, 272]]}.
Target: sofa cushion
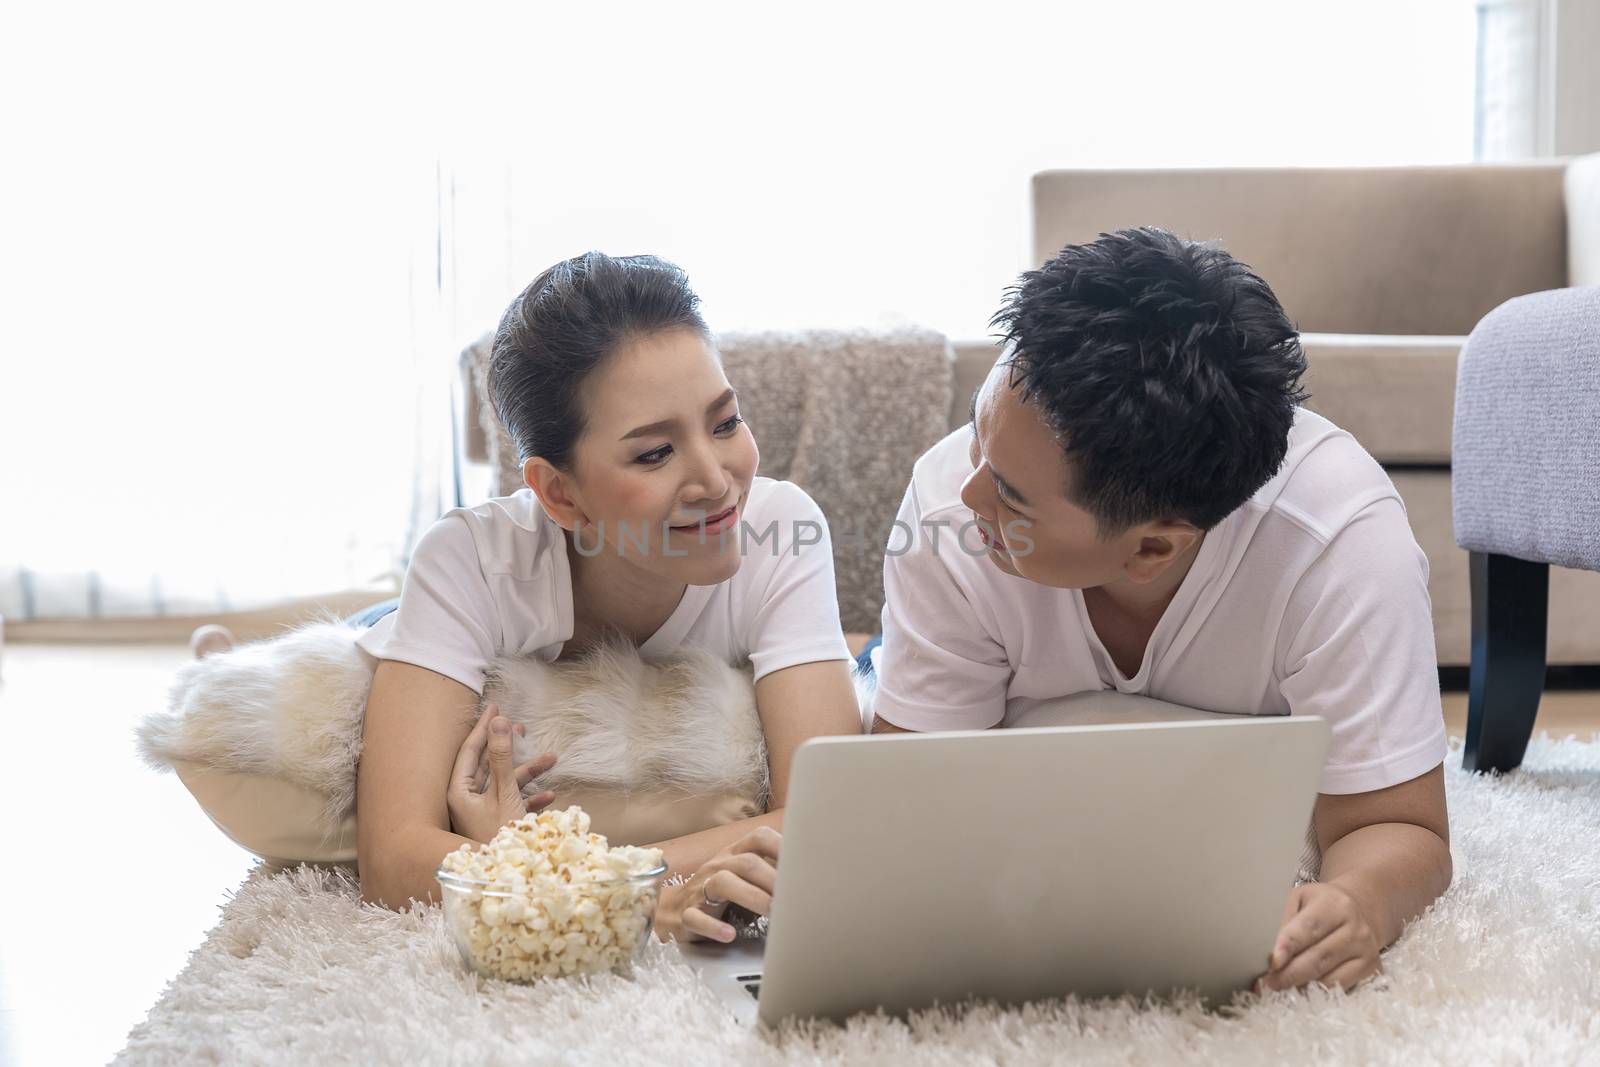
{"points": [[1385, 250], [1396, 395]]}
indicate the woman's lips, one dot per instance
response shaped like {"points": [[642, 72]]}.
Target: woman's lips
{"points": [[712, 523]]}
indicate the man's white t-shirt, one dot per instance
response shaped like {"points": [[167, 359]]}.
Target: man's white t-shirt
{"points": [[496, 578], [1311, 599]]}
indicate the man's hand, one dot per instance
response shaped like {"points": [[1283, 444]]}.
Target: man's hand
{"points": [[1325, 937]]}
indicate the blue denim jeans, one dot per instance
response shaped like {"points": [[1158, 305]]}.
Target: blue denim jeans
{"points": [[372, 614], [864, 660]]}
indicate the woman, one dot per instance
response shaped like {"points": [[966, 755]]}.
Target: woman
{"points": [[639, 472]]}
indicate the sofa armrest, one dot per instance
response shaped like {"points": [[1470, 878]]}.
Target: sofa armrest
{"points": [[1582, 190], [1395, 394]]}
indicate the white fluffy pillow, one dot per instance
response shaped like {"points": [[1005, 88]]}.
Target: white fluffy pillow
{"points": [[267, 737]]}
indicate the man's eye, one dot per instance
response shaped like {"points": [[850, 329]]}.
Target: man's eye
{"points": [[654, 456]]}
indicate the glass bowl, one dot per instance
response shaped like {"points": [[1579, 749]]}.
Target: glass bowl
{"points": [[577, 928]]}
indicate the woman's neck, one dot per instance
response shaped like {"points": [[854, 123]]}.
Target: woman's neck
{"points": [[610, 591]]}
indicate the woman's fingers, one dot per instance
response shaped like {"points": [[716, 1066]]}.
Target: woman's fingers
{"points": [[470, 756], [757, 870], [540, 801], [534, 768], [502, 775], [732, 886], [700, 924], [763, 841]]}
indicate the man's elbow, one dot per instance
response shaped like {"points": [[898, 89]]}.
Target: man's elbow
{"points": [[1446, 866], [883, 726]]}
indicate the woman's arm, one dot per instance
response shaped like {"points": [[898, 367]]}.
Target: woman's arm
{"points": [[796, 703], [416, 721]]}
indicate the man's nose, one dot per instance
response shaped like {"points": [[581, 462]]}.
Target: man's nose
{"points": [[974, 496]]}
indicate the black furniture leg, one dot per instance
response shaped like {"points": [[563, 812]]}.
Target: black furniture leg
{"points": [[1510, 615]]}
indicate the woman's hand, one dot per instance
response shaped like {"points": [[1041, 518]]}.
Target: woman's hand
{"points": [[485, 790], [1325, 938], [745, 873]]}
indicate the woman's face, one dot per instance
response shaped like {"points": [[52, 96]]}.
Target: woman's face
{"points": [[663, 452]]}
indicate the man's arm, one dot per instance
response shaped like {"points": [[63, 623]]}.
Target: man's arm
{"points": [[1385, 858]]}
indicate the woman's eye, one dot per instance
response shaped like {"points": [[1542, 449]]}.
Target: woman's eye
{"points": [[659, 455]]}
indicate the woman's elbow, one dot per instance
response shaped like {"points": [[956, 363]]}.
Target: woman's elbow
{"points": [[379, 877], [374, 886]]}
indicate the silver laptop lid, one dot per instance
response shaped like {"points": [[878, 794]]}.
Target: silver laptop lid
{"points": [[1023, 864]]}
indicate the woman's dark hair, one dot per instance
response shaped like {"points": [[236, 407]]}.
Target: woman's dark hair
{"points": [[562, 326], [1168, 371]]}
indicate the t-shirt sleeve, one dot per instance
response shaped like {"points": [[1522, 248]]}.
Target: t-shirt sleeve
{"points": [[939, 668], [795, 617], [446, 621], [1357, 648]]}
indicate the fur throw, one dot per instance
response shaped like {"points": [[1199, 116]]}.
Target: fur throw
{"points": [[685, 725], [292, 707]]}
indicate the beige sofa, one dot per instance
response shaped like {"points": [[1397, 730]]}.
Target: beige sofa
{"points": [[1385, 270]]}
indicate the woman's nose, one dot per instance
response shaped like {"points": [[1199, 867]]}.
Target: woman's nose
{"points": [[708, 481]]}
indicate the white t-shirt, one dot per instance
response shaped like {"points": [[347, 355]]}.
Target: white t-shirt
{"points": [[496, 578], [1311, 599]]}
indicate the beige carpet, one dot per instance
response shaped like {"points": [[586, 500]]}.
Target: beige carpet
{"points": [[1504, 969]]}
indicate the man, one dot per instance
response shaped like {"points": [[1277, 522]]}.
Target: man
{"points": [[1140, 503]]}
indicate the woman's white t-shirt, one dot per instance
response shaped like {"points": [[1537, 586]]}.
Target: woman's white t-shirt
{"points": [[496, 578], [1311, 599]]}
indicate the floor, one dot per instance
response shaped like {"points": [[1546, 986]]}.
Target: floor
{"points": [[115, 874]]}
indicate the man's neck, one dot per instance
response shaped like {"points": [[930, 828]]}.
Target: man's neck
{"points": [[1147, 601]]}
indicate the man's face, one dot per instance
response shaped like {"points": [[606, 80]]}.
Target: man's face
{"points": [[1017, 493]]}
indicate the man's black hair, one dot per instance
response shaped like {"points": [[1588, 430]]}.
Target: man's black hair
{"points": [[1167, 369]]}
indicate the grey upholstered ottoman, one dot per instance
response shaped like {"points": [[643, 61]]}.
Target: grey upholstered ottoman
{"points": [[1526, 486]]}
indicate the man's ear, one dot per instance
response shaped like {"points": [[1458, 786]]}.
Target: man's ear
{"points": [[556, 491], [1160, 543]]}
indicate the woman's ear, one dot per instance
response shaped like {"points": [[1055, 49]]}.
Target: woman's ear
{"points": [[556, 492]]}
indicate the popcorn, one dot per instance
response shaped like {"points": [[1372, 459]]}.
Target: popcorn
{"points": [[557, 899]]}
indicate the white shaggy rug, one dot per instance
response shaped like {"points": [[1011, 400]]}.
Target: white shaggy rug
{"points": [[1504, 969]]}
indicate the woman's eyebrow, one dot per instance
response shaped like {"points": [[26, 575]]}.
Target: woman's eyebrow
{"points": [[667, 424]]}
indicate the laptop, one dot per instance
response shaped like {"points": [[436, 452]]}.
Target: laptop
{"points": [[1028, 863]]}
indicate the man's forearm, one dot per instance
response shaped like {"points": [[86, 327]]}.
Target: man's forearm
{"points": [[1393, 870], [686, 854]]}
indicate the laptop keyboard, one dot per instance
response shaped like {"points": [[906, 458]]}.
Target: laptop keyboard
{"points": [[751, 983]]}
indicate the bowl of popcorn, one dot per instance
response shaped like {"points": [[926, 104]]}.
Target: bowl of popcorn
{"points": [[545, 897]]}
